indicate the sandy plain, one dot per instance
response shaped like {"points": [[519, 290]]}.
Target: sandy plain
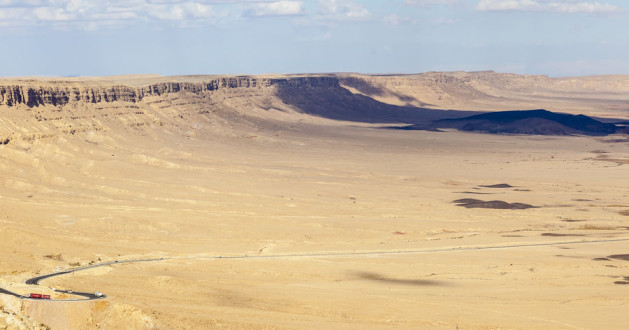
{"points": [[278, 219]]}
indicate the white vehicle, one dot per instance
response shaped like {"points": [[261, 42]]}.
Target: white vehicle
{"points": [[98, 294]]}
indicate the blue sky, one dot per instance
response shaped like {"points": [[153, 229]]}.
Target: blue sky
{"points": [[171, 37]]}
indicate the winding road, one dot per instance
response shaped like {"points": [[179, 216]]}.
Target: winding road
{"points": [[94, 296], [84, 295]]}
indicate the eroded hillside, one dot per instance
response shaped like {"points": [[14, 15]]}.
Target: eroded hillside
{"points": [[38, 108]]}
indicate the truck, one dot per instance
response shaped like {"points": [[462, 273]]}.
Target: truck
{"points": [[39, 296]]}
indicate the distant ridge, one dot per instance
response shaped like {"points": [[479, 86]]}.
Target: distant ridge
{"points": [[536, 122]]}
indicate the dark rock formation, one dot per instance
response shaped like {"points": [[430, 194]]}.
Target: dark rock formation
{"points": [[538, 122]]}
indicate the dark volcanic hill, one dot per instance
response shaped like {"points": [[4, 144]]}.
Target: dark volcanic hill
{"points": [[539, 122]]}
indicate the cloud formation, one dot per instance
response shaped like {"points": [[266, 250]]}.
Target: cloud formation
{"points": [[429, 2], [120, 14], [560, 6], [275, 8], [343, 9], [92, 14]]}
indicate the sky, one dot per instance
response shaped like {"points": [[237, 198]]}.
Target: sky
{"points": [[177, 37]]}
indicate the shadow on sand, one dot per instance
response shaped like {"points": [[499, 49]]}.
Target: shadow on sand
{"points": [[381, 278]]}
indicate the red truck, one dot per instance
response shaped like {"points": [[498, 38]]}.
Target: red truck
{"points": [[39, 296]]}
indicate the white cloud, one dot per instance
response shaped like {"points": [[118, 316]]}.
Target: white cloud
{"points": [[275, 8], [52, 14], [21, 3], [394, 19], [560, 6], [92, 14], [584, 7], [500, 5], [180, 11], [429, 2], [342, 9], [166, 12]]}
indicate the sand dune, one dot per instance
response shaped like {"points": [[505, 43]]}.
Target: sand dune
{"points": [[297, 169]]}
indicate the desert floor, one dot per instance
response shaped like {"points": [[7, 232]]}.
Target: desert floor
{"points": [[319, 225]]}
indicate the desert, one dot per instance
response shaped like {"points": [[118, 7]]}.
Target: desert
{"points": [[295, 202]]}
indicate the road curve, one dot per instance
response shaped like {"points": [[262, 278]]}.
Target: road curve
{"points": [[92, 296], [84, 295]]}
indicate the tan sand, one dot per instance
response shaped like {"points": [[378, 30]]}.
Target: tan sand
{"points": [[320, 223]]}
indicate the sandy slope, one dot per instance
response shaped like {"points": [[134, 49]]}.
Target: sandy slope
{"points": [[255, 177]]}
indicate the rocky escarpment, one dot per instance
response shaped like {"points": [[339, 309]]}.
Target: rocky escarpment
{"points": [[32, 109], [36, 109], [33, 94]]}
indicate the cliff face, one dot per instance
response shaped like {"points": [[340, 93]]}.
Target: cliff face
{"points": [[29, 94], [38, 108]]}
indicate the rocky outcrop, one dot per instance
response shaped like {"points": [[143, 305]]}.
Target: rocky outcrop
{"points": [[33, 93], [38, 109]]}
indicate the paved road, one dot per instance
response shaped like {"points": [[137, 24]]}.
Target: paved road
{"points": [[35, 280], [11, 293], [434, 250], [92, 296], [84, 295]]}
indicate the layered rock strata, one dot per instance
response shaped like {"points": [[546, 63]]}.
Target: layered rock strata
{"points": [[33, 94]]}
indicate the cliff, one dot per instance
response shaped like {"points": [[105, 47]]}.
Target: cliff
{"points": [[46, 107], [32, 109], [59, 93]]}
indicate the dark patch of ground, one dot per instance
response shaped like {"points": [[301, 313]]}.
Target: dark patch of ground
{"points": [[534, 122], [471, 203], [560, 235], [499, 185], [619, 257], [416, 128], [381, 278], [618, 161]]}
